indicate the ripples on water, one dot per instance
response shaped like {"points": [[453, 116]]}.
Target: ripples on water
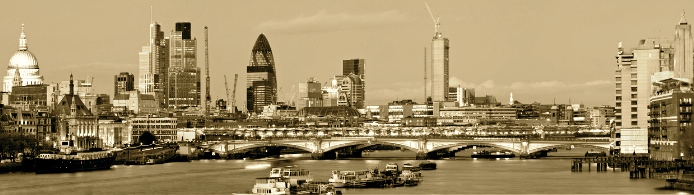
{"points": [[461, 176]]}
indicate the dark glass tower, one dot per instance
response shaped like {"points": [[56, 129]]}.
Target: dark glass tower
{"points": [[261, 83]]}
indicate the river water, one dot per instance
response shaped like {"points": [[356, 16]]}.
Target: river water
{"points": [[454, 176]]}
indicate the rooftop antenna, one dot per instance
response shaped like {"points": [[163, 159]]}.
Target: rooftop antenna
{"points": [[425, 73], [436, 20], [151, 15]]}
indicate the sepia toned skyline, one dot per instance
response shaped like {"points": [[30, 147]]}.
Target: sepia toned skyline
{"points": [[538, 50]]}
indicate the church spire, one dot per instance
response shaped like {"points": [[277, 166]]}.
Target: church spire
{"points": [[71, 86], [682, 20], [22, 40]]}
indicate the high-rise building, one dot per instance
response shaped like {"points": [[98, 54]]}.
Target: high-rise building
{"points": [[154, 64], [184, 73], [356, 67], [683, 61], [633, 80], [309, 94], [261, 81], [439, 67], [123, 82], [23, 68]]}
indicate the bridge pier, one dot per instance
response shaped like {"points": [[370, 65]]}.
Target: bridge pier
{"points": [[316, 155]]}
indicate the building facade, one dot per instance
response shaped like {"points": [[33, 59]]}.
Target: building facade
{"points": [[670, 112], [75, 124], [184, 73], [439, 68], [163, 128], [683, 61], [261, 83], [123, 82], [154, 65], [23, 67], [136, 102], [633, 80], [356, 67], [309, 94]]}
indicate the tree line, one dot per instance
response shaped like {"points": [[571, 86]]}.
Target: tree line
{"points": [[11, 144]]}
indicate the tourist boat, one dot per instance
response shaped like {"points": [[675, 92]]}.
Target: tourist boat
{"points": [[427, 165], [488, 154], [356, 179], [94, 159], [341, 179], [271, 185], [294, 175], [409, 178], [391, 167]]}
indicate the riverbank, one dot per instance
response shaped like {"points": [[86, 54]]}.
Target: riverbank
{"points": [[11, 167]]}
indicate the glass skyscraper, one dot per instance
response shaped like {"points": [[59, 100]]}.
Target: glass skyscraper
{"points": [[183, 71], [261, 83]]}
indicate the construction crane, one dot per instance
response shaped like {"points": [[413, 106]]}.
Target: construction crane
{"points": [[226, 87], [233, 94], [436, 20], [208, 98]]}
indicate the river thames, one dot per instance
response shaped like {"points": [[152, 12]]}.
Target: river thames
{"points": [[460, 176]]}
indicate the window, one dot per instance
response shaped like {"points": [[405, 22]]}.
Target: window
{"points": [[634, 102], [633, 89], [633, 82], [633, 109], [634, 123], [633, 116]]}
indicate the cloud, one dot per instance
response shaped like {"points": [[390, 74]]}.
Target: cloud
{"points": [[455, 81], [324, 21], [555, 84]]}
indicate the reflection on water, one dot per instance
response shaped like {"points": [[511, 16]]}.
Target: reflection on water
{"points": [[464, 175]]}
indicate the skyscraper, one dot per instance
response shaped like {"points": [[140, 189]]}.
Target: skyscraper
{"points": [[23, 68], [184, 73], [356, 67], [635, 67], [123, 82], [153, 65], [261, 81], [684, 63], [439, 67]]}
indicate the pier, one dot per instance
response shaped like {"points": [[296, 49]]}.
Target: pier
{"points": [[638, 167]]}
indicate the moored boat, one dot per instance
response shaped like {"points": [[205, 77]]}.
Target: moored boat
{"points": [[271, 185], [295, 176], [95, 159], [488, 154], [592, 153], [427, 165]]}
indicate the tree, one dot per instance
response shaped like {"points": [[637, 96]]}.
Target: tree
{"points": [[147, 138]]}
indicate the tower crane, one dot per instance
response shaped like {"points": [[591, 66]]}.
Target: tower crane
{"points": [[436, 20], [233, 95], [226, 87], [208, 98]]}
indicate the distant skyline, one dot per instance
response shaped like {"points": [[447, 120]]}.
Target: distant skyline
{"points": [[538, 50]]}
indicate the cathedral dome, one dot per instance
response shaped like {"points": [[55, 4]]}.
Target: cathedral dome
{"points": [[23, 59]]}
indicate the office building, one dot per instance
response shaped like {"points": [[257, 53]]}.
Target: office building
{"points": [[439, 67], [309, 94], [261, 83], [23, 68], [633, 80], [183, 71], [123, 83], [683, 62]]}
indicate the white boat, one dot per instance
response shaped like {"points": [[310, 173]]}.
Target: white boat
{"points": [[391, 167], [271, 185], [294, 175], [410, 178], [340, 179]]}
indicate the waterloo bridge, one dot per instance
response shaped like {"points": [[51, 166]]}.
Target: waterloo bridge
{"points": [[427, 142]]}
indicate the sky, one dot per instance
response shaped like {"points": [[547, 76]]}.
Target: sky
{"points": [[540, 50]]}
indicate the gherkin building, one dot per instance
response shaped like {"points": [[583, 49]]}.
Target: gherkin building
{"points": [[261, 81]]}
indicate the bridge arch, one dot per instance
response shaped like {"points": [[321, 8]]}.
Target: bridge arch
{"points": [[505, 146], [364, 144], [604, 147], [241, 147]]}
